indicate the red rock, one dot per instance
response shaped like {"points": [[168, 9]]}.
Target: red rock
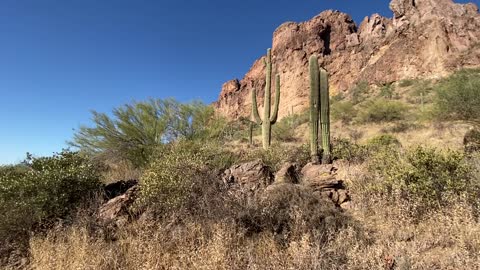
{"points": [[424, 39]]}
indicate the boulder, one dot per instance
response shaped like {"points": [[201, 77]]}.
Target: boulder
{"points": [[116, 210], [322, 180], [287, 174], [248, 178]]}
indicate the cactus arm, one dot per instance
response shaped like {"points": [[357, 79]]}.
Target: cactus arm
{"points": [[325, 116], [274, 117], [255, 113], [314, 108]]}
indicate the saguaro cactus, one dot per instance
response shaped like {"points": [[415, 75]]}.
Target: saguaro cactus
{"points": [[325, 116], [319, 112], [268, 120], [314, 108]]}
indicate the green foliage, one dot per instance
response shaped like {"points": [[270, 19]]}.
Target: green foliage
{"points": [[284, 130], [360, 91], [458, 96], [383, 141], [170, 178], [387, 91], [134, 130], [343, 111], [44, 189], [345, 149], [269, 118], [425, 178], [406, 83], [471, 141], [381, 110], [276, 155]]}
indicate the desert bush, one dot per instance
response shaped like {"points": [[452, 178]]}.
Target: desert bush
{"points": [[406, 83], [360, 92], [277, 154], [387, 91], [382, 110], [424, 178], [471, 141], [343, 111], [291, 212], [458, 96], [347, 150], [169, 181], [284, 130], [382, 141], [42, 191]]}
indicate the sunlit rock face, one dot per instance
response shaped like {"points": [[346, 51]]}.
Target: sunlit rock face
{"points": [[424, 39]]}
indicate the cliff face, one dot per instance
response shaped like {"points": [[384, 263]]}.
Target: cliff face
{"points": [[425, 38]]}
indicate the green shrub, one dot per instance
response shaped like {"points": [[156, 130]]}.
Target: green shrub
{"points": [[44, 190], [346, 150], [382, 110], [382, 141], [406, 83], [360, 92], [424, 178], [471, 141], [277, 154], [343, 111], [284, 130], [170, 179], [387, 91], [458, 96]]}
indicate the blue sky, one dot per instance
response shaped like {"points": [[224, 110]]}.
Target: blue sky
{"points": [[60, 59]]}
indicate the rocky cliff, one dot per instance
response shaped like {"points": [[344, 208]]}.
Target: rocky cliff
{"points": [[425, 38]]}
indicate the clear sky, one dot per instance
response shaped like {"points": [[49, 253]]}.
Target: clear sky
{"points": [[60, 59]]}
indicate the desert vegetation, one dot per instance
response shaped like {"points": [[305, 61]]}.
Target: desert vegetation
{"points": [[413, 206]]}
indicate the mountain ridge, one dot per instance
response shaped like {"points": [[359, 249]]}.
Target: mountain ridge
{"points": [[423, 39]]}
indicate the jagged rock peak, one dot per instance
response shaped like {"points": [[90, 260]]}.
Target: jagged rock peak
{"points": [[425, 38]]}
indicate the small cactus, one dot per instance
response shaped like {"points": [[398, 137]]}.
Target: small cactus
{"points": [[268, 120], [319, 112]]}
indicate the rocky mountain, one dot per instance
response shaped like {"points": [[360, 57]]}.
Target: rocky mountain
{"points": [[424, 39]]}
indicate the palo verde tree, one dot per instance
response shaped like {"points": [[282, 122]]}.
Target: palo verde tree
{"points": [[268, 118], [134, 130]]}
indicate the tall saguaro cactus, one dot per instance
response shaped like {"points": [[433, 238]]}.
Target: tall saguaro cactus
{"points": [[319, 112], [325, 117], [268, 120], [314, 108]]}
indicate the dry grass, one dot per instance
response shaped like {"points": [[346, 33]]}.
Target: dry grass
{"points": [[447, 240], [386, 239]]}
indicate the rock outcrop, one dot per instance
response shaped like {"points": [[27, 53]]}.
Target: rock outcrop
{"points": [[425, 38], [247, 179]]}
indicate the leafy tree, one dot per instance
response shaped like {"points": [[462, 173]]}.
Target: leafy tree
{"points": [[134, 130]]}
